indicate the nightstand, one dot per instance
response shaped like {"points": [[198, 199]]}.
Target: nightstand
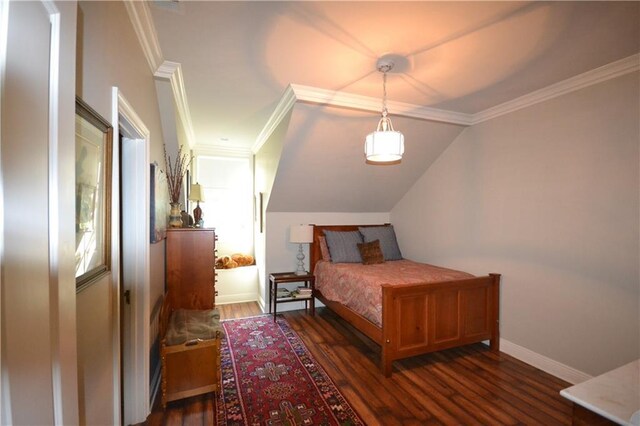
{"points": [[278, 278]]}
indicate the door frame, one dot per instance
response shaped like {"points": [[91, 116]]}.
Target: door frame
{"points": [[5, 401], [137, 405]]}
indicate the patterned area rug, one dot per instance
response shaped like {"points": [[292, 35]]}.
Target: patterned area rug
{"points": [[270, 378]]}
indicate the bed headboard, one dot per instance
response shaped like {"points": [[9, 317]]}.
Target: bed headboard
{"points": [[315, 254]]}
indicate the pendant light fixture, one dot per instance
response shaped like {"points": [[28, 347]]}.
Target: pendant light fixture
{"points": [[385, 145]]}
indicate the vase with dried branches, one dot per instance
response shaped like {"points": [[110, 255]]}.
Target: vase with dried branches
{"points": [[175, 172]]}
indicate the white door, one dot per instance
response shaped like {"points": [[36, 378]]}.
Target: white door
{"points": [[39, 377]]}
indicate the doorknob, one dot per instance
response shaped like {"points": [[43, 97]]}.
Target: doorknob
{"points": [[127, 297]]}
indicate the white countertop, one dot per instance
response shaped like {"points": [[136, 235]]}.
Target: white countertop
{"points": [[614, 395]]}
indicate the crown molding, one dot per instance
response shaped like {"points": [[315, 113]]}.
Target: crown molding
{"points": [[172, 71], [287, 100], [347, 100], [166, 69], [300, 93], [597, 75], [140, 16]]}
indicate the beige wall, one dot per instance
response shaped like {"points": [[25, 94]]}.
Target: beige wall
{"points": [[547, 196], [109, 55]]}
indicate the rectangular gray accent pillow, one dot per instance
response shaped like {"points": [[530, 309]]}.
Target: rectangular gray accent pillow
{"points": [[343, 246], [387, 237]]}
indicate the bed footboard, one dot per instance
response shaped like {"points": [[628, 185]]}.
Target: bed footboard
{"points": [[421, 318]]}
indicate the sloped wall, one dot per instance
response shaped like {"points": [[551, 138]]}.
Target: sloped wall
{"points": [[323, 167], [547, 196]]}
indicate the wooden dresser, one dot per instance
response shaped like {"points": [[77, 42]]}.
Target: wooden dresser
{"points": [[190, 263]]}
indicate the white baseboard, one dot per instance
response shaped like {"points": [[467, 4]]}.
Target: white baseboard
{"points": [[544, 363], [236, 298]]}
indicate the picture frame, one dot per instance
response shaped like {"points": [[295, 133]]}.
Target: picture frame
{"points": [[93, 162], [261, 212], [187, 190], [258, 211], [158, 205]]}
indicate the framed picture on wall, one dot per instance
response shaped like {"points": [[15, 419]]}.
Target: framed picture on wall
{"points": [[187, 190], [94, 139], [261, 212], [159, 202]]}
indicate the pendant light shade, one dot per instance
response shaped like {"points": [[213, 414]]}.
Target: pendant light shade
{"points": [[384, 145]]}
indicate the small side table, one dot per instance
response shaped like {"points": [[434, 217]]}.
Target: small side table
{"points": [[286, 278]]}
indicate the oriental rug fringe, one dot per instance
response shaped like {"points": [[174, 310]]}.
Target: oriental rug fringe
{"points": [[270, 378]]}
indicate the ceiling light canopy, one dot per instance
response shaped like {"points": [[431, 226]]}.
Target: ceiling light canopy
{"points": [[385, 144]]}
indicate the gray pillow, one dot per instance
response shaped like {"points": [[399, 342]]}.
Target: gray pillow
{"points": [[387, 237], [343, 246]]}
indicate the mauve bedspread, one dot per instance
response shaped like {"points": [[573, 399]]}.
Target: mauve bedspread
{"points": [[357, 286]]}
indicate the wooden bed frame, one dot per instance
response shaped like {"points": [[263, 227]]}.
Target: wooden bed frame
{"points": [[425, 317]]}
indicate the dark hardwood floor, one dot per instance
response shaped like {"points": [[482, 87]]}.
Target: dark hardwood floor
{"points": [[239, 310], [463, 386]]}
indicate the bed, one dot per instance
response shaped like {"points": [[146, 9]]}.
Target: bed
{"points": [[416, 318]]}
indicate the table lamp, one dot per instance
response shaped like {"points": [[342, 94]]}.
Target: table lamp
{"points": [[301, 234], [196, 194]]}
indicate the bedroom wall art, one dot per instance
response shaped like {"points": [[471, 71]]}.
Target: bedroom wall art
{"points": [[94, 138], [159, 200]]}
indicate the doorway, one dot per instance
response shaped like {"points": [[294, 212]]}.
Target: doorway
{"points": [[229, 207]]}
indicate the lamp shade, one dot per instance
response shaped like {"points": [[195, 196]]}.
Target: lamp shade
{"points": [[196, 193], [384, 146], [301, 234]]}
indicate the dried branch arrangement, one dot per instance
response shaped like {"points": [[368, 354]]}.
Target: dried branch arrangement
{"points": [[175, 172]]}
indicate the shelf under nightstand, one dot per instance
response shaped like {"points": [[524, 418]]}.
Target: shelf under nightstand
{"points": [[278, 278]]}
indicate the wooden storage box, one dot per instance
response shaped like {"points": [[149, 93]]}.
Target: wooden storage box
{"points": [[191, 366]]}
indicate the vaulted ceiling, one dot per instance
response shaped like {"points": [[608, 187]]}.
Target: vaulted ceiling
{"points": [[238, 58]]}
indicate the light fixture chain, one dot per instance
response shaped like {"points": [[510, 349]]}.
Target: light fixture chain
{"points": [[384, 145], [384, 93]]}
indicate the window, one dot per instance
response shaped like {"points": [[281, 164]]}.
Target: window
{"points": [[228, 189]]}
